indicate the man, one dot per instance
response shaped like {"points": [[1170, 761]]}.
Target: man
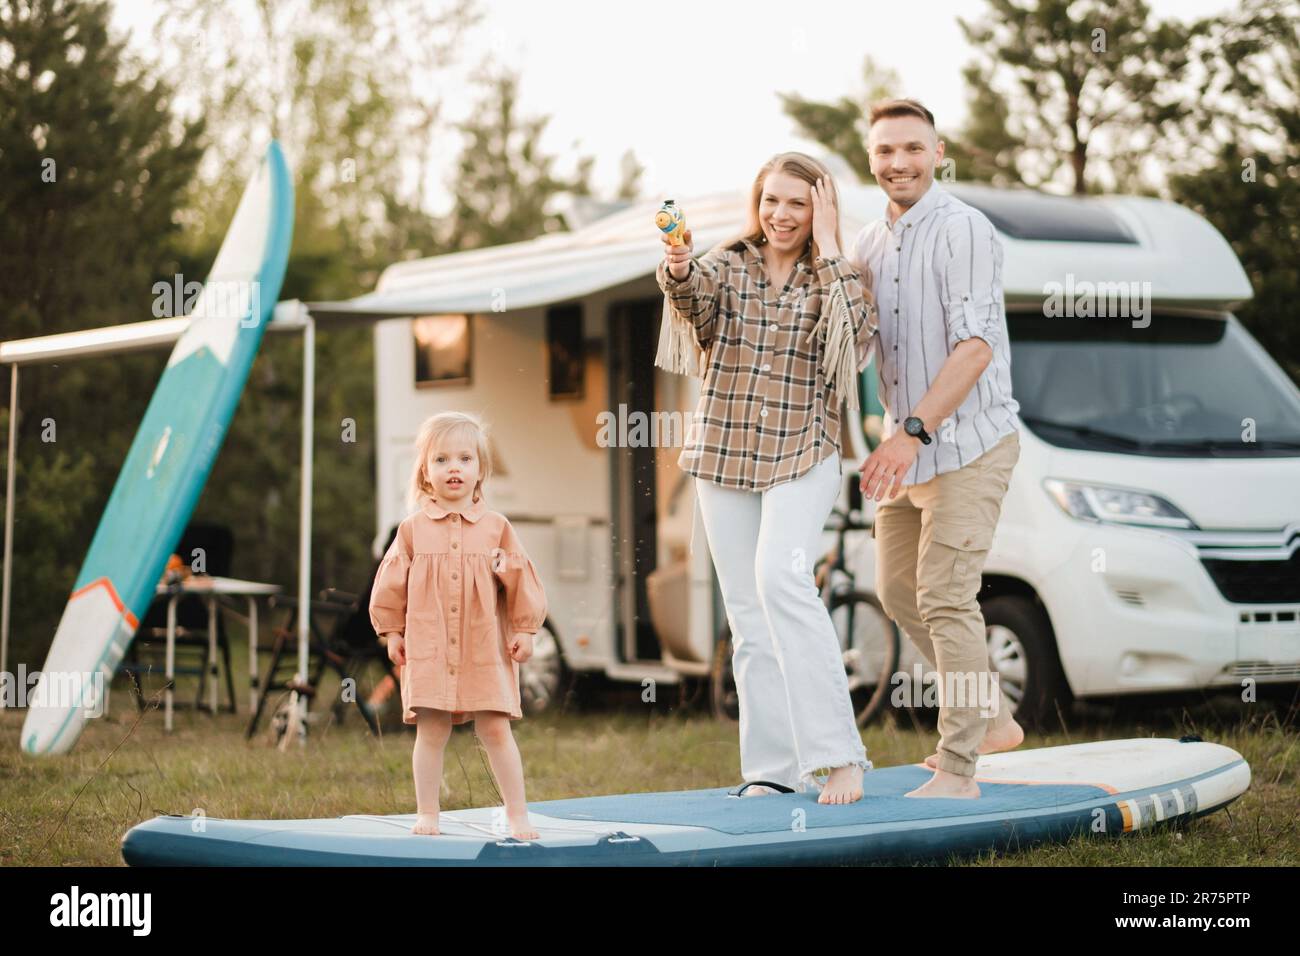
{"points": [[951, 432]]}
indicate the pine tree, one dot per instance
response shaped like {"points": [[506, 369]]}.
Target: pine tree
{"points": [[1087, 85], [94, 168], [1242, 169], [505, 184]]}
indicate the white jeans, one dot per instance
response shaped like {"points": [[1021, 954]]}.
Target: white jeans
{"points": [[795, 712]]}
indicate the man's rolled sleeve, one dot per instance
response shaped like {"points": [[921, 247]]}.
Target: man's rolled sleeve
{"points": [[972, 280]]}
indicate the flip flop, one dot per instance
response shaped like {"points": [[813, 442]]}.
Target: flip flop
{"points": [[778, 787]]}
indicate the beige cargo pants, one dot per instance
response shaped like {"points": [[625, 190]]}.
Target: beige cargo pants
{"points": [[931, 544]]}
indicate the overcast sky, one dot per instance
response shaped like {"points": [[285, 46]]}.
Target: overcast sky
{"points": [[691, 87]]}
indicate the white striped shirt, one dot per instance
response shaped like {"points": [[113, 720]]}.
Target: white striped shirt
{"points": [[937, 275]]}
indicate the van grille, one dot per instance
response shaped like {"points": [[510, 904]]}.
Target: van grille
{"points": [[1262, 669], [1257, 582]]}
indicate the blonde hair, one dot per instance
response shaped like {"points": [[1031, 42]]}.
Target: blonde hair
{"points": [[443, 427], [800, 166]]}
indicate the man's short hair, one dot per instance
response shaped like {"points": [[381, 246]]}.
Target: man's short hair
{"points": [[890, 108]]}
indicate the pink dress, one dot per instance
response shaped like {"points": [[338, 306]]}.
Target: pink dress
{"points": [[458, 588]]}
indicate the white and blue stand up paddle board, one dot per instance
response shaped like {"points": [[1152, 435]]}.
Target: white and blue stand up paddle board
{"points": [[1027, 797], [168, 463]]}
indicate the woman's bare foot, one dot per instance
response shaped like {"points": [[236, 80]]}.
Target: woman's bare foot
{"points": [[951, 785], [844, 785], [1005, 738], [520, 828], [426, 823]]}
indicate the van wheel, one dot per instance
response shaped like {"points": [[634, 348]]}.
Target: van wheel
{"points": [[545, 677], [1022, 649]]}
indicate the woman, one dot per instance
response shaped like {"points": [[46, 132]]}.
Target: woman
{"points": [[777, 323]]}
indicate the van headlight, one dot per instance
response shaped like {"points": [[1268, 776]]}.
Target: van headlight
{"points": [[1115, 505]]}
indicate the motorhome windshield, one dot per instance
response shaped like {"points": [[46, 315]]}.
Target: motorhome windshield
{"points": [[1182, 386]]}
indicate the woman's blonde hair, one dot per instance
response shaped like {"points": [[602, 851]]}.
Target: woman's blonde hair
{"points": [[444, 427], [800, 166]]}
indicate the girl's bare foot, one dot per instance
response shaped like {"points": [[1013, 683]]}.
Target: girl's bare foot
{"points": [[950, 785], [844, 785], [426, 823], [520, 828], [1006, 738]]}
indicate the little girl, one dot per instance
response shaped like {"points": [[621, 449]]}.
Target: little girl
{"points": [[458, 601]]}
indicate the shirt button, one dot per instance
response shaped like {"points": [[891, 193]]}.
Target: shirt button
{"points": [[772, 327], [895, 348], [454, 546], [899, 248], [895, 382], [453, 609], [455, 517], [895, 278], [895, 312], [453, 575], [763, 412], [767, 367]]}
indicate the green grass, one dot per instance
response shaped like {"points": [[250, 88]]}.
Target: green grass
{"points": [[73, 810]]}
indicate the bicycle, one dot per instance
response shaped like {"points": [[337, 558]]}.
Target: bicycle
{"points": [[869, 639]]}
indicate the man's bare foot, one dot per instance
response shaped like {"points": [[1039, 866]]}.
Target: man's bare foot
{"points": [[521, 828], [426, 823], [844, 785], [950, 785], [1005, 738]]}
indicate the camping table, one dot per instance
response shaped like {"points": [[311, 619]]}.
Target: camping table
{"points": [[213, 588]]}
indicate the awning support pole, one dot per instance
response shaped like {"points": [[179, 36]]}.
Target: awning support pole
{"points": [[9, 523], [298, 702]]}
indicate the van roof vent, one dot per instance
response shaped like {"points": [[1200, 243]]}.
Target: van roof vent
{"points": [[1027, 214]]}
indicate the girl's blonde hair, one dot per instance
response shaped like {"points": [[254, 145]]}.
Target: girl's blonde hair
{"points": [[800, 166], [442, 428]]}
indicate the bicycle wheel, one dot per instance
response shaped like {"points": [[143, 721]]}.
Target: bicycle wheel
{"points": [[869, 660], [870, 642]]}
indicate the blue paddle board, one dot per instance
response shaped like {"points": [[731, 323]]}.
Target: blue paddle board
{"points": [[1027, 797], [168, 463]]}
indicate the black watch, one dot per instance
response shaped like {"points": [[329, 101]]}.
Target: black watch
{"points": [[916, 428]]}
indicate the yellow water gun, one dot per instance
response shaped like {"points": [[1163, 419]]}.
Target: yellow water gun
{"points": [[671, 223]]}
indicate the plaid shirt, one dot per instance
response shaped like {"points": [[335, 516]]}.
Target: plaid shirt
{"points": [[762, 418]]}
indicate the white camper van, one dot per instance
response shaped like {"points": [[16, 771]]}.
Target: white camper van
{"points": [[1150, 539]]}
